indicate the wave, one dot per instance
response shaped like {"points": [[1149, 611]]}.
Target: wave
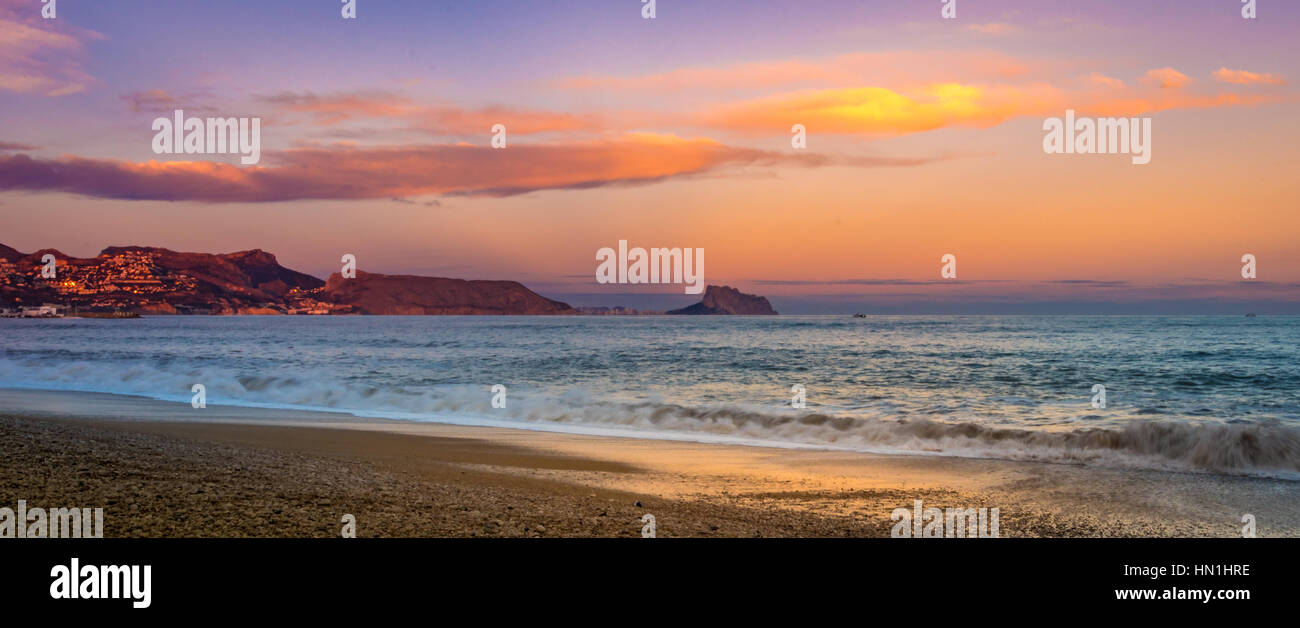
{"points": [[1267, 448]]}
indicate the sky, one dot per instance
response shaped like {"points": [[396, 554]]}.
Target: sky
{"points": [[924, 137]]}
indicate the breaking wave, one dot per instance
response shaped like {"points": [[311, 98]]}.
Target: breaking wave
{"points": [[1264, 448]]}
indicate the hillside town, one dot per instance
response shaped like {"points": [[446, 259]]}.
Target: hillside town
{"points": [[135, 280]]}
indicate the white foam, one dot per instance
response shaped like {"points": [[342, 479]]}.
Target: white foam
{"points": [[1265, 449]]}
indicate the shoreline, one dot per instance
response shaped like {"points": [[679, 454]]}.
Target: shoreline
{"points": [[253, 472]]}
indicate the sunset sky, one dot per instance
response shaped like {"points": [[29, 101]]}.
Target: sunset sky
{"points": [[924, 138]]}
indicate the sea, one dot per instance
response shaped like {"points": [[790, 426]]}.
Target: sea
{"points": [[1198, 394]]}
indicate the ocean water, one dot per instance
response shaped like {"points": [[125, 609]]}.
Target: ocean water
{"points": [[1208, 394]]}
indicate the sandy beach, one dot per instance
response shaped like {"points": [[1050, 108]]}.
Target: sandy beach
{"points": [[264, 473]]}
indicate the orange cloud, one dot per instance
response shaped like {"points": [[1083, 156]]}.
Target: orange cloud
{"points": [[1129, 106], [882, 111], [1165, 78], [877, 110], [348, 172], [1242, 77], [1098, 78], [888, 94], [860, 106]]}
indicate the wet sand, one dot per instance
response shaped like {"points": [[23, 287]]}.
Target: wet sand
{"points": [[268, 473]]}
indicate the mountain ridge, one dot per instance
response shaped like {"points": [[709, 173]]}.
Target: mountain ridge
{"points": [[156, 280]]}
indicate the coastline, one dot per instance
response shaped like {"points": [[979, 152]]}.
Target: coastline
{"points": [[275, 473]]}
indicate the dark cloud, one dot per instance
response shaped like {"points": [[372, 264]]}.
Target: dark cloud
{"points": [[352, 173]]}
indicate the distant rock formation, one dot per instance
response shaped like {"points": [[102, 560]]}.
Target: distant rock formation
{"points": [[371, 293], [728, 300]]}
